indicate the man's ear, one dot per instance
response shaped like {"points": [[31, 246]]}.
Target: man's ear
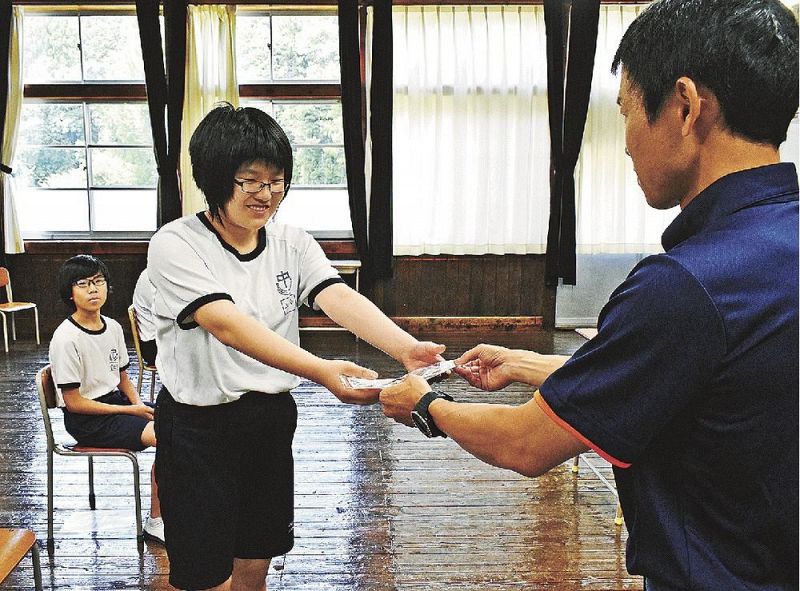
{"points": [[691, 103]]}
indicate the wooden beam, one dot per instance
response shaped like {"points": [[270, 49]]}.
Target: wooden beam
{"points": [[332, 248], [417, 324]]}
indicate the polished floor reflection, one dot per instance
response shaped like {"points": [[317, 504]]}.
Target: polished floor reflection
{"points": [[379, 507]]}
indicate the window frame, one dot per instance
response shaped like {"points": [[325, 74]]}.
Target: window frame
{"points": [[296, 92], [82, 93], [131, 92]]}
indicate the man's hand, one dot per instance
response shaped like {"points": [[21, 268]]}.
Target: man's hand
{"points": [[400, 399], [422, 354], [331, 379], [138, 410], [486, 367]]}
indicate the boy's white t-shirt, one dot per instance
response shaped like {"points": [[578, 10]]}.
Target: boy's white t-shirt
{"points": [[143, 295], [88, 359], [190, 265]]}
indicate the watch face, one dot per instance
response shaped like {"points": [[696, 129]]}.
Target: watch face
{"points": [[421, 423]]}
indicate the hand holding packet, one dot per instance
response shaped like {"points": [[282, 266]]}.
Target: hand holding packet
{"points": [[428, 372]]}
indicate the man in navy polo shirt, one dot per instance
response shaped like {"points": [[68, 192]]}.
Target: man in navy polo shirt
{"points": [[690, 388]]}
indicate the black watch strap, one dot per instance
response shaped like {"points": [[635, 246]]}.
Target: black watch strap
{"points": [[422, 418]]}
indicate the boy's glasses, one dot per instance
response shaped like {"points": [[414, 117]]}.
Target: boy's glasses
{"points": [[85, 283], [252, 187]]}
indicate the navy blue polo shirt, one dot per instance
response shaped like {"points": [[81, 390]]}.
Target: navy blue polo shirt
{"points": [[690, 389]]}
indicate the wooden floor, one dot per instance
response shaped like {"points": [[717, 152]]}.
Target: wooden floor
{"points": [[379, 507]]}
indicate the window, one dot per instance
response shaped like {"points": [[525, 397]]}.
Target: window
{"points": [[292, 73], [84, 167]]}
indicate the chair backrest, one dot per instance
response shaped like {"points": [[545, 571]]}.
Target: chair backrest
{"points": [[135, 332], [47, 400], [5, 281]]}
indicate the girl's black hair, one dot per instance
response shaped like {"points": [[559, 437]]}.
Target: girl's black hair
{"points": [[226, 139]]}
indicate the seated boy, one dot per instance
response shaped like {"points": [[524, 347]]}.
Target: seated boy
{"points": [[89, 359]]}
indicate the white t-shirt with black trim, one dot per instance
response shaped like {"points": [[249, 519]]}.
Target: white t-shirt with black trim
{"points": [[190, 265], [143, 295], [88, 359]]}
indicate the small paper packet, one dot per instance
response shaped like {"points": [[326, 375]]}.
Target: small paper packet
{"points": [[427, 373]]}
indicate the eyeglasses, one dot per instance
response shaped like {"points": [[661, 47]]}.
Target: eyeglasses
{"points": [[278, 187], [85, 283]]}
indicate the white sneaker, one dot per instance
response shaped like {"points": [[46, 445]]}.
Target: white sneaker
{"points": [[154, 529]]}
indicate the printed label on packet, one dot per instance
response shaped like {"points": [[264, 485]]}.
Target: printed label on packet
{"points": [[427, 373]]}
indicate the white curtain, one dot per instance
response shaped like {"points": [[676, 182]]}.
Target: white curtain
{"points": [[612, 215], [12, 239], [471, 139], [210, 78]]}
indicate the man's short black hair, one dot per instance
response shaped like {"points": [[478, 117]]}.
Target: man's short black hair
{"points": [[226, 139], [78, 267], [744, 51]]}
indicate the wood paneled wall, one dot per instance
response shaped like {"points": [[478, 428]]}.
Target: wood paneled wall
{"points": [[509, 285], [489, 285]]}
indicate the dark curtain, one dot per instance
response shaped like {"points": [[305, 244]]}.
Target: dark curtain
{"points": [[373, 233], [568, 67], [350, 64], [381, 95], [165, 94], [5, 167]]}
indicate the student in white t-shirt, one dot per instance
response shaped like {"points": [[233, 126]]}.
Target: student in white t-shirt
{"points": [[89, 360], [228, 286], [143, 295]]}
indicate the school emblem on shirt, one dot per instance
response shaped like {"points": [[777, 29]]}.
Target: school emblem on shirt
{"points": [[283, 281], [113, 359], [288, 304]]}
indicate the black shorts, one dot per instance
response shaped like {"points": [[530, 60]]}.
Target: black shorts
{"points": [[149, 351], [226, 483], [123, 431]]}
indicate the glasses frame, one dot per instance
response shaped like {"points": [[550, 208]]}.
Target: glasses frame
{"points": [[241, 184], [96, 281]]}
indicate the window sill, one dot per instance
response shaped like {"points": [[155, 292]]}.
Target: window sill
{"points": [[332, 248]]}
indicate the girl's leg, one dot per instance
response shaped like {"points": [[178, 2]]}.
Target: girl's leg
{"points": [[149, 439]]}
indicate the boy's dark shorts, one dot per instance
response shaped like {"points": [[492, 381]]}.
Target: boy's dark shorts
{"points": [[149, 351], [124, 431], [226, 483]]}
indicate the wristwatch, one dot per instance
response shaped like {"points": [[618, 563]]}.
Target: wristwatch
{"points": [[422, 418]]}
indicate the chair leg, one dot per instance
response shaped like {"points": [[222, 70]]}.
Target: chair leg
{"points": [[13, 328], [575, 463], [50, 496], [37, 568], [5, 332], [36, 318], [91, 483], [152, 385], [137, 497], [618, 517], [139, 381]]}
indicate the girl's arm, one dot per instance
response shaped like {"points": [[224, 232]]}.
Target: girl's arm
{"points": [[351, 310]]}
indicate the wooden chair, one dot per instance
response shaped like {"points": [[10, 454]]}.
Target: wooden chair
{"points": [[47, 400], [590, 333], [618, 520], [143, 367], [11, 307], [14, 545]]}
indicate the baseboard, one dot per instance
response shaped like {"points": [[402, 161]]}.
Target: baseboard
{"points": [[576, 322], [438, 323]]}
